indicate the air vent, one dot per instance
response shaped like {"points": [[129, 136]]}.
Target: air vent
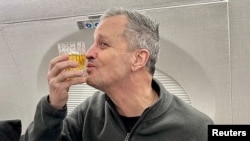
{"points": [[92, 22]]}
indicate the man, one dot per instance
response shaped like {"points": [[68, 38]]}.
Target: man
{"points": [[130, 105]]}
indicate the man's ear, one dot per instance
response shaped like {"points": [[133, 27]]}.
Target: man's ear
{"points": [[141, 57]]}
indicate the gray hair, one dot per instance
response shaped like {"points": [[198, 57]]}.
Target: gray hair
{"points": [[141, 32]]}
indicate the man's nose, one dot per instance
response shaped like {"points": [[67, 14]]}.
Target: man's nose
{"points": [[90, 54]]}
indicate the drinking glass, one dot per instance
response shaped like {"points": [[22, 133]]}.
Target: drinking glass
{"points": [[76, 52]]}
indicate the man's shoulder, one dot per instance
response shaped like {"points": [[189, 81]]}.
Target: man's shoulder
{"points": [[188, 111]]}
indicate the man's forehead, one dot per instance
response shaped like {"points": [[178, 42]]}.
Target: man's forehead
{"points": [[101, 35], [122, 19], [108, 28], [113, 22]]}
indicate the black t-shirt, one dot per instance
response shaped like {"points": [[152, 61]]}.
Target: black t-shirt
{"points": [[129, 122]]}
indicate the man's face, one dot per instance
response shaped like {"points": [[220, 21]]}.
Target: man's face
{"points": [[108, 57]]}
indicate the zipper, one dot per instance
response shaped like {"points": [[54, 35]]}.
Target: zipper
{"points": [[110, 105], [127, 137]]}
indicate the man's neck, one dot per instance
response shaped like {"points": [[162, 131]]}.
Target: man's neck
{"points": [[133, 98]]}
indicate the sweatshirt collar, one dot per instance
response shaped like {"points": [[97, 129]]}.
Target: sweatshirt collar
{"points": [[156, 109]]}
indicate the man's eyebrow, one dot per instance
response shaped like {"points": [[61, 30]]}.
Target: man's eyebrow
{"points": [[98, 35], [101, 36]]}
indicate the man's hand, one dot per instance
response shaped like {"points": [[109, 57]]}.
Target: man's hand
{"points": [[60, 80]]}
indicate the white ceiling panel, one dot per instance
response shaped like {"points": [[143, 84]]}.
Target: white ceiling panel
{"points": [[28, 10]]}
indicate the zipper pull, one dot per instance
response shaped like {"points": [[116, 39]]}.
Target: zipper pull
{"points": [[127, 137]]}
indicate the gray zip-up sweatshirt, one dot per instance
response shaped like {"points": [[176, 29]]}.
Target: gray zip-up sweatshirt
{"points": [[96, 119]]}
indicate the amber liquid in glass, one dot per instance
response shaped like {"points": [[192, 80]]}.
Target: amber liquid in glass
{"points": [[80, 59]]}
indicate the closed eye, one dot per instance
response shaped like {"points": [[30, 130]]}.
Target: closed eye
{"points": [[104, 44]]}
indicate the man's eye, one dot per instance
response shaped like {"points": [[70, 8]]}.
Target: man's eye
{"points": [[103, 44]]}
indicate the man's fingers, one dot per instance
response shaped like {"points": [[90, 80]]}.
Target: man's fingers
{"points": [[57, 59], [61, 67], [65, 75]]}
